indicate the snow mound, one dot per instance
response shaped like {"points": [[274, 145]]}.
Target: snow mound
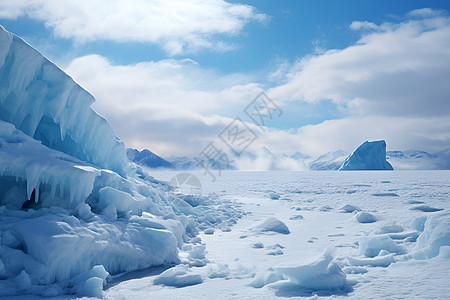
{"points": [[178, 276], [322, 275], [426, 208], [272, 225], [436, 235], [368, 156], [365, 217], [349, 208]]}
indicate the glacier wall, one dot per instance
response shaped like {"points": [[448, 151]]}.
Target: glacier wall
{"points": [[46, 104]]}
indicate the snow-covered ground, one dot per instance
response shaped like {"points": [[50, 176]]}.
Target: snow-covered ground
{"points": [[401, 252]]}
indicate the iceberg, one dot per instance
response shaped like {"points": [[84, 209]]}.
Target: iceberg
{"points": [[368, 156]]}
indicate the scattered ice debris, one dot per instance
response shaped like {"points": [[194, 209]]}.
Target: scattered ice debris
{"points": [[209, 231], [389, 228], [419, 223], [410, 236], [178, 276], [258, 245], [262, 280], [275, 249], [23, 281], [426, 208], [323, 275], [218, 271], [336, 235], [415, 202], [349, 208], [274, 196], [378, 261], [272, 224], [91, 283], [354, 270], [196, 256], [385, 194], [436, 235], [365, 217], [372, 246], [275, 252], [325, 208], [296, 217]]}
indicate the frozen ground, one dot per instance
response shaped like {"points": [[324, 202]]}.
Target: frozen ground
{"points": [[329, 251]]}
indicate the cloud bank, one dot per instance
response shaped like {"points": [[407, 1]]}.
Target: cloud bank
{"points": [[177, 26], [392, 84]]}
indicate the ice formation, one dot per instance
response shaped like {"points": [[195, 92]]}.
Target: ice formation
{"points": [[368, 156], [73, 210]]}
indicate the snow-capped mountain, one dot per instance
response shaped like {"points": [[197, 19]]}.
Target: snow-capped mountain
{"points": [[329, 161], [148, 159], [368, 156], [419, 160]]}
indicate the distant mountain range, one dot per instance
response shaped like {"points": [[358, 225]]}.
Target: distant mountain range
{"points": [[149, 159], [333, 160]]}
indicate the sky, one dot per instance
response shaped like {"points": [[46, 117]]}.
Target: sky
{"points": [[175, 76]]}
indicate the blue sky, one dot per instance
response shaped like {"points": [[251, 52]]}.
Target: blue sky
{"points": [[170, 75]]}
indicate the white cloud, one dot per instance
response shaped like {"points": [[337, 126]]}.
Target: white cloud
{"points": [[393, 85], [177, 25], [403, 70], [424, 12], [169, 106], [357, 25]]}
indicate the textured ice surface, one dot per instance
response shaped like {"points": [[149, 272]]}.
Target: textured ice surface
{"points": [[45, 103], [368, 156]]}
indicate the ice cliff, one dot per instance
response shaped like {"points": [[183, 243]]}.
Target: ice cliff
{"points": [[73, 210], [368, 156]]}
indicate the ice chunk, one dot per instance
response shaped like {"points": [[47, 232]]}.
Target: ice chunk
{"points": [[419, 223], [258, 245], [272, 224], [349, 208], [218, 271], [378, 261], [274, 196], [365, 217], [368, 156], [178, 276], [371, 246], [321, 275], [354, 270], [435, 235], [23, 280], [389, 228]]}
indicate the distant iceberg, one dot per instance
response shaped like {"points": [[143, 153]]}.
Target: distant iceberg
{"points": [[368, 156]]}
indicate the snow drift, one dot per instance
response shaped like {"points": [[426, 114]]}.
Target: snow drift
{"points": [[368, 156]]}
